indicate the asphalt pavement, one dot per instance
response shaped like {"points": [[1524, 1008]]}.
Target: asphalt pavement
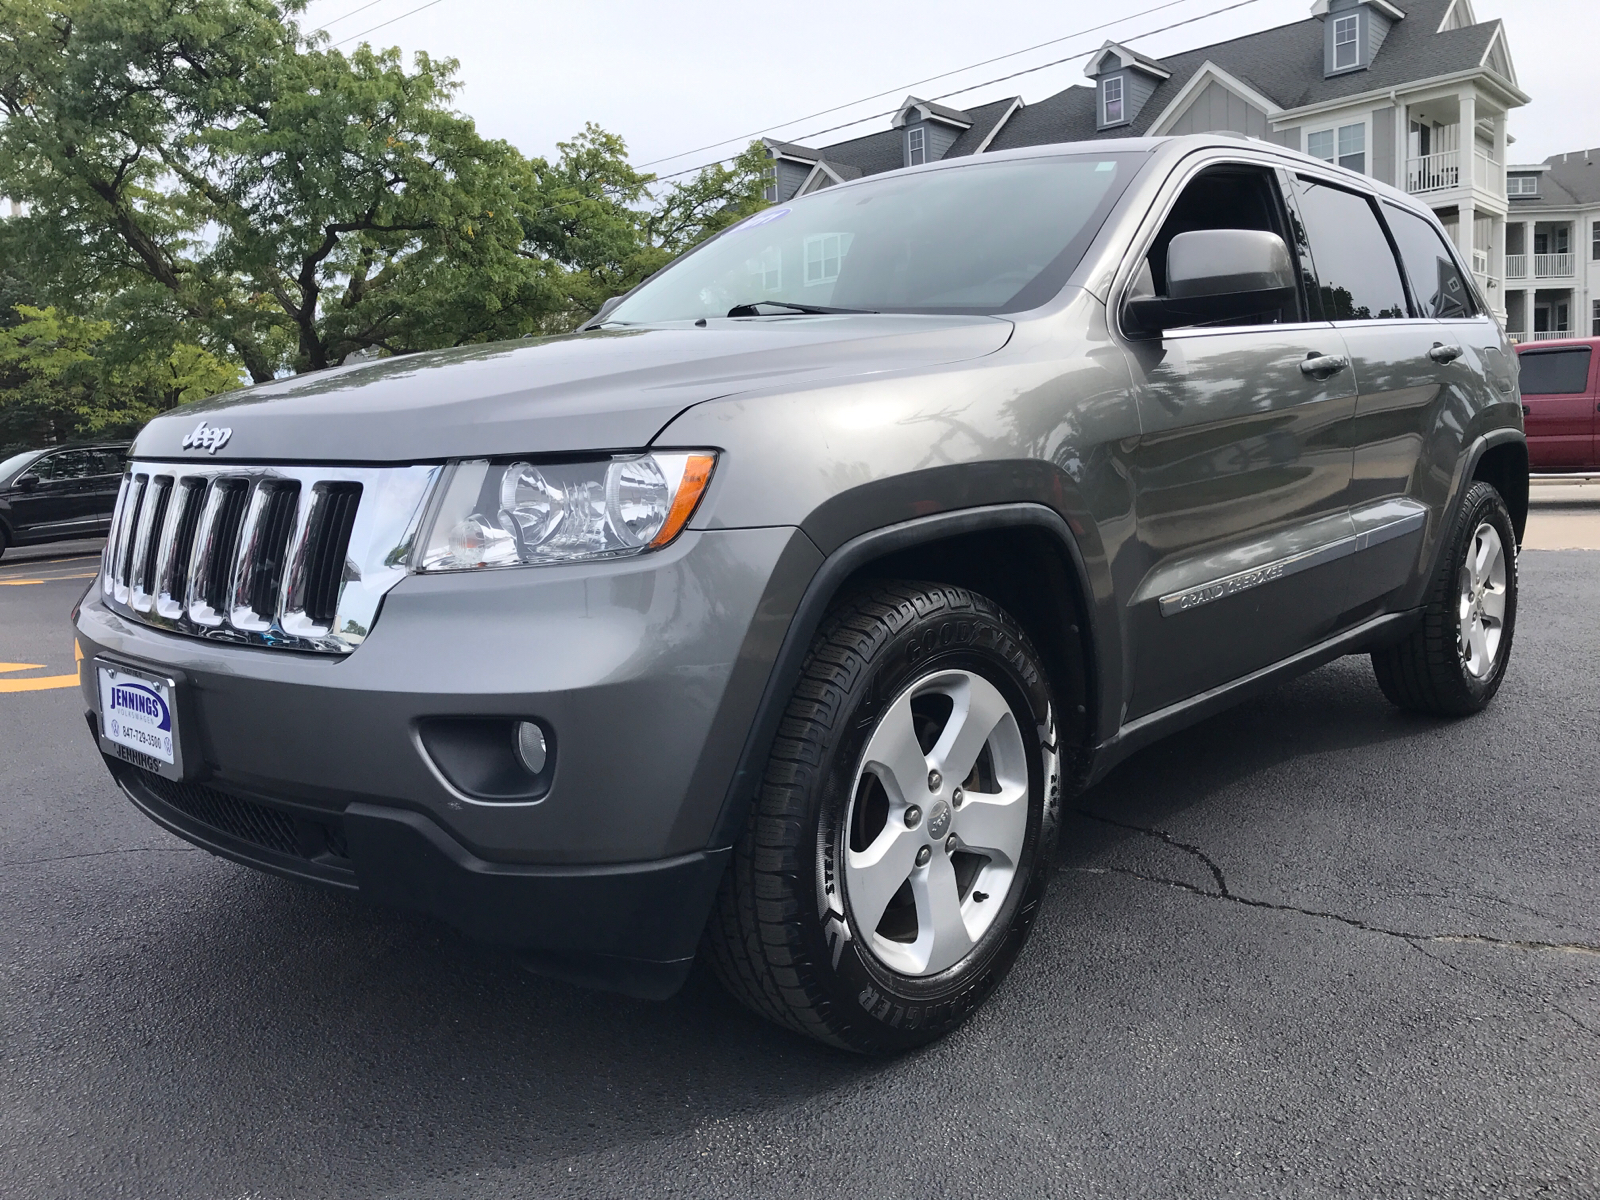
{"points": [[1311, 946]]}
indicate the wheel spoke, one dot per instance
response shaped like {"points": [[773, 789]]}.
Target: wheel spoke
{"points": [[875, 874], [1480, 649], [896, 758], [994, 824], [979, 708], [942, 936], [1494, 605], [1483, 558]]}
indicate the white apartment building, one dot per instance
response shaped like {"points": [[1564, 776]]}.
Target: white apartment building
{"points": [[1553, 248]]}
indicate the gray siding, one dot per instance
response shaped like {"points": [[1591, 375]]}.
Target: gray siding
{"points": [[1137, 87], [1216, 109], [1383, 145], [937, 139], [790, 176], [1289, 137], [1377, 30]]}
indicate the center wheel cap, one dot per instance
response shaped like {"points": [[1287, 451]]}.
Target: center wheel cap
{"points": [[938, 820]]}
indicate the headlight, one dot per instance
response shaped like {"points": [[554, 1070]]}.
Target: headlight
{"points": [[503, 514]]}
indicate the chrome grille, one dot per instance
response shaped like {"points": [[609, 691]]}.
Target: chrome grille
{"points": [[290, 557]]}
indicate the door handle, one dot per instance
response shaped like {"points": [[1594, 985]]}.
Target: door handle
{"points": [[1444, 354], [1323, 366], [1527, 410]]}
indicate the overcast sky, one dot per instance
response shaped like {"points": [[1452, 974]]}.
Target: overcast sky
{"points": [[671, 78]]}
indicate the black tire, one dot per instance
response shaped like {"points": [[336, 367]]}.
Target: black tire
{"points": [[782, 937], [1429, 671]]}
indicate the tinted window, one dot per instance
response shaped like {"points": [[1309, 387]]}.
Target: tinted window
{"points": [[71, 464], [1555, 372], [1357, 277], [1435, 279], [108, 462], [984, 238]]}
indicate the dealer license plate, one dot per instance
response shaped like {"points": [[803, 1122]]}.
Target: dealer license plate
{"points": [[139, 719]]}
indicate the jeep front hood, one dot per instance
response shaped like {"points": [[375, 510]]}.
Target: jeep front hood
{"points": [[602, 390]]}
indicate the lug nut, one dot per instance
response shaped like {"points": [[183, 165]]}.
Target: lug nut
{"points": [[923, 856], [957, 797], [950, 844], [913, 817], [934, 780]]}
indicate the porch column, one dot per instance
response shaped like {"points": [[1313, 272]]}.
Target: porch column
{"points": [[1497, 266], [1469, 142], [1500, 154]]}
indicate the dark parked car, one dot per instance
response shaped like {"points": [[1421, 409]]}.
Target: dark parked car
{"points": [[772, 615], [1561, 403], [60, 493]]}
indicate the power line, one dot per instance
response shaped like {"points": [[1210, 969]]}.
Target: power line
{"points": [[917, 83], [973, 87], [351, 13], [381, 24]]}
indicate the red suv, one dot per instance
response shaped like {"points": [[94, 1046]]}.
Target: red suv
{"points": [[1560, 399]]}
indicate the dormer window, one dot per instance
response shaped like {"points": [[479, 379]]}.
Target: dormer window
{"points": [[1522, 185], [916, 147], [1111, 101], [1346, 42]]}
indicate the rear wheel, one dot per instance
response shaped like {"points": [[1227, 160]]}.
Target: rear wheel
{"points": [[1452, 664], [902, 836]]}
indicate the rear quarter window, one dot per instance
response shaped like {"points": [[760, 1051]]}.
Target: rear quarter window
{"points": [[1555, 372]]}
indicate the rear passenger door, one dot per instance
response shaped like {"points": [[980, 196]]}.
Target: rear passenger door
{"points": [[1558, 396], [1241, 473], [1407, 375]]}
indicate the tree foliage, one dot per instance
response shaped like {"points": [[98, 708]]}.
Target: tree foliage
{"points": [[200, 173]]}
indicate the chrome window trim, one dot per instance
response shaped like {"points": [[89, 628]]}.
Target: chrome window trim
{"points": [[387, 518]]}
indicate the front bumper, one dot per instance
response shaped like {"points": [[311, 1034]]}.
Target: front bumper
{"points": [[648, 670]]}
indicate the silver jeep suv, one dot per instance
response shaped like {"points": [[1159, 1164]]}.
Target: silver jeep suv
{"points": [[770, 616]]}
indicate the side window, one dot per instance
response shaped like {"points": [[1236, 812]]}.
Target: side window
{"points": [[1436, 282], [1357, 276], [1555, 372], [70, 464], [107, 462], [1231, 197]]}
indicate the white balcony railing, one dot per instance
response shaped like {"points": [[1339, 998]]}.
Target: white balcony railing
{"points": [[1554, 266], [1516, 266], [1433, 172], [1487, 175], [1545, 335]]}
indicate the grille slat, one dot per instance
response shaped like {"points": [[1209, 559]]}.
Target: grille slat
{"points": [[263, 555]]}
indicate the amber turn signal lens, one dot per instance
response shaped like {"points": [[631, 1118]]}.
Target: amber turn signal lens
{"points": [[696, 475]]}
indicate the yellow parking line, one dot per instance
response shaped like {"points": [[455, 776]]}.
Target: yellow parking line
{"points": [[43, 684], [4, 667], [18, 582], [49, 579]]}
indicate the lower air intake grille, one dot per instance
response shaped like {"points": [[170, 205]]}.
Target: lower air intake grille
{"points": [[248, 821]]}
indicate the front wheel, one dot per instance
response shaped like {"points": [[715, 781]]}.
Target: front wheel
{"points": [[1452, 664], [905, 826]]}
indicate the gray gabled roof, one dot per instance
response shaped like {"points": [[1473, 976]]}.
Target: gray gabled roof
{"points": [[1284, 64], [1572, 181]]}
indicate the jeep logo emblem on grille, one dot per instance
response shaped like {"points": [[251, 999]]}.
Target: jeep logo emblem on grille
{"points": [[207, 437]]}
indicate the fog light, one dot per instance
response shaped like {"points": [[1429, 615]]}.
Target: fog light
{"points": [[531, 750]]}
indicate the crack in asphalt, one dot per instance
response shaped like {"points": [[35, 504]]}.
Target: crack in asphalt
{"points": [[1506, 992], [1223, 893], [34, 862]]}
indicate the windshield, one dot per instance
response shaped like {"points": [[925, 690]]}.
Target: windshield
{"points": [[985, 238], [14, 464]]}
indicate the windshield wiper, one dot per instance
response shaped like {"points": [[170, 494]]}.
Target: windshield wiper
{"points": [[753, 309]]}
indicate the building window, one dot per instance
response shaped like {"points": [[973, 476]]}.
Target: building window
{"points": [[769, 190], [824, 253], [1595, 328], [1522, 185], [1594, 241], [1346, 145], [1111, 103], [916, 147], [1346, 50]]}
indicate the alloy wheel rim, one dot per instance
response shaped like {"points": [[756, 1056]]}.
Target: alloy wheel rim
{"points": [[1481, 606], [936, 824]]}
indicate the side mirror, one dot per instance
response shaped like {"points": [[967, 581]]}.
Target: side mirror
{"points": [[25, 483], [604, 312], [1214, 275]]}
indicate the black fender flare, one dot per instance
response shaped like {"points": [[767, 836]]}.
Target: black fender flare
{"points": [[1102, 645]]}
